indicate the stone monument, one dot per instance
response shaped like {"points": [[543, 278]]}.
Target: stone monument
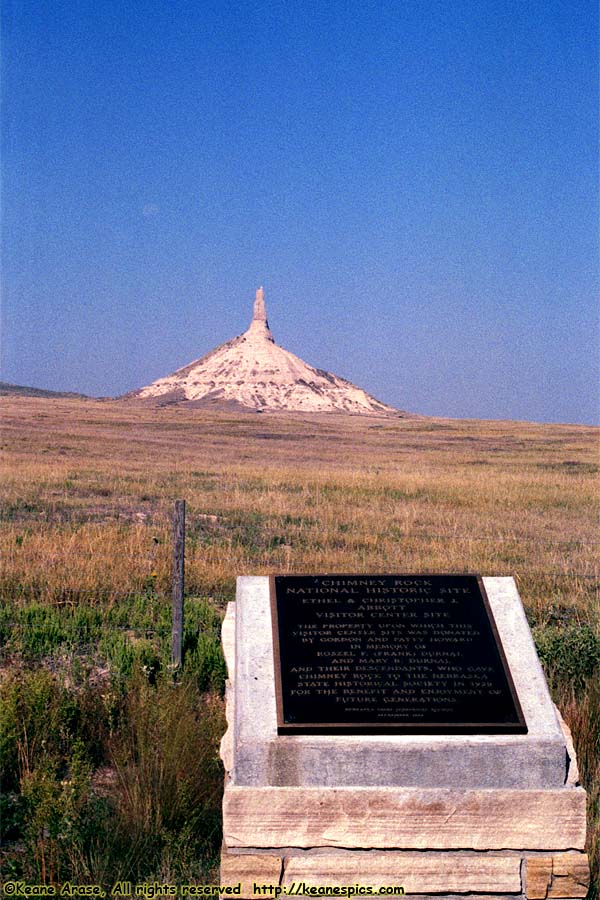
{"points": [[394, 732]]}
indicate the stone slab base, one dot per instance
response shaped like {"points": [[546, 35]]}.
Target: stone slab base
{"points": [[423, 876], [406, 818], [296, 823]]}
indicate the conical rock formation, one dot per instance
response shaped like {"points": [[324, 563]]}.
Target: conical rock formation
{"points": [[253, 372]]}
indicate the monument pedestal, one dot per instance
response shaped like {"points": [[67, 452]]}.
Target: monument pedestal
{"points": [[469, 815]]}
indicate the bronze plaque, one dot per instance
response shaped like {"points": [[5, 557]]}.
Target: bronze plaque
{"points": [[375, 654]]}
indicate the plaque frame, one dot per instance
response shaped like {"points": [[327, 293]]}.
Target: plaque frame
{"points": [[382, 728]]}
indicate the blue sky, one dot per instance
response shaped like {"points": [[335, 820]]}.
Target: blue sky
{"points": [[414, 182]]}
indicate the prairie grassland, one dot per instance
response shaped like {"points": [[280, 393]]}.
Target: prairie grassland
{"points": [[88, 489]]}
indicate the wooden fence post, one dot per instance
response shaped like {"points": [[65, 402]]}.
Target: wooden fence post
{"points": [[178, 581]]}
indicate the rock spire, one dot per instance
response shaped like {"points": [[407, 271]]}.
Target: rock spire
{"points": [[252, 372], [259, 323]]}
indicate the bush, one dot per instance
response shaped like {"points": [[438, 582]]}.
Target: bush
{"points": [[169, 779], [582, 713], [151, 811], [570, 654], [63, 818], [40, 720]]}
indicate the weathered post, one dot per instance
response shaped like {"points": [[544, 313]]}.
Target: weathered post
{"points": [[178, 581]]}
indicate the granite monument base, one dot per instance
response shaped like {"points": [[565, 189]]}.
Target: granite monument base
{"points": [[440, 816]]}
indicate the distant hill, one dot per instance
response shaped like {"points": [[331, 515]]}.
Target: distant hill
{"points": [[7, 389], [252, 372]]}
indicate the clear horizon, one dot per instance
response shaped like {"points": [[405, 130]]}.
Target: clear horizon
{"points": [[415, 186]]}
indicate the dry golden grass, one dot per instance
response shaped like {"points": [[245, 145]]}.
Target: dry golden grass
{"points": [[88, 491]]}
